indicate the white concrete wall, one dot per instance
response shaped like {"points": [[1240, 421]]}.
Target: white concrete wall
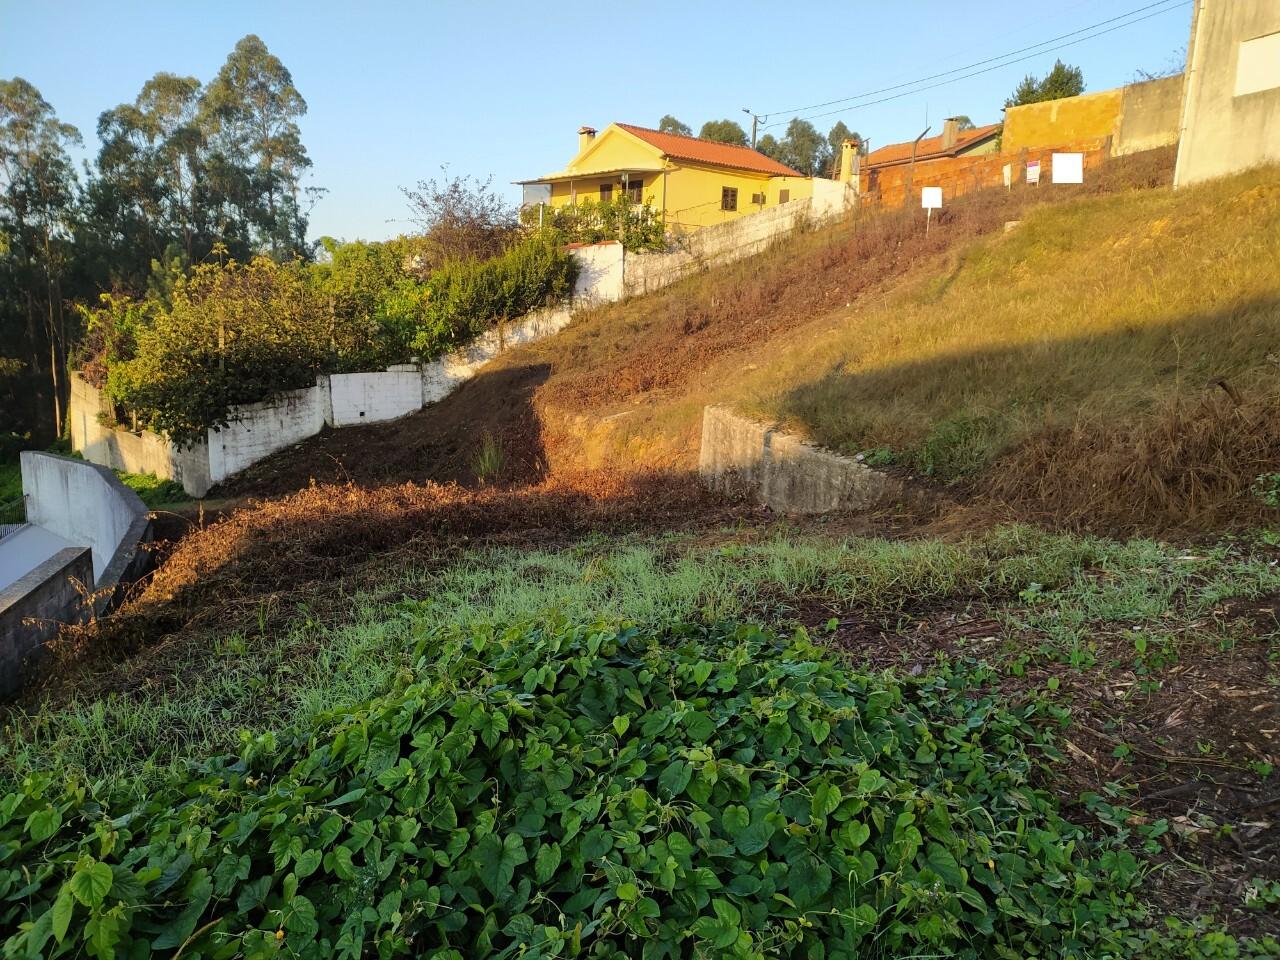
{"points": [[1224, 132], [129, 452], [441, 377], [600, 273], [260, 429], [81, 503], [735, 239], [369, 397]]}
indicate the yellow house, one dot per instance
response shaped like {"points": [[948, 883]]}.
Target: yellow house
{"points": [[694, 183]]}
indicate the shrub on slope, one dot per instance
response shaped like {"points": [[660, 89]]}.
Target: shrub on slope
{"points": [[587, 791]]}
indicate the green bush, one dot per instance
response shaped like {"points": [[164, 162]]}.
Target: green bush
{"points": [[241, 333], [465, 298], [587, 791], [637, 226], [235, 334], [374, 302]]}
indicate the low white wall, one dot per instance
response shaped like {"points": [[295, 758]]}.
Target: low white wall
{"points": [[735, 239], [258, 430], [369, 397], [441, 377], [600, 273], [82, 503], [130, 452]]}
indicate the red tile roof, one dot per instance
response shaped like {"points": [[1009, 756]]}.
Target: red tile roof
{"points": [[708, 151], [930, 147]]}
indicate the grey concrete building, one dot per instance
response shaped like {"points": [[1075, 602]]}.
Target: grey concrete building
{"points": [[1231, 111]]}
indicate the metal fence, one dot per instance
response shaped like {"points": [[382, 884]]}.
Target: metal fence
{"points": [[13, 514]]}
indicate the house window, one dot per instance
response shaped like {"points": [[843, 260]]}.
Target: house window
{"points": [[635, 190], [606, 192], [729, 198], [784, 196], [758, 199]]}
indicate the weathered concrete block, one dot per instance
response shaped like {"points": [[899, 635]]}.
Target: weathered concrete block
{"points": [[33, 609], [787, 473]]}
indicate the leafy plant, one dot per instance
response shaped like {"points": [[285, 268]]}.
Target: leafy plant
{"points": [[489, 460], [592, 790], [1267, 489], [464, 298], [637, 226]]}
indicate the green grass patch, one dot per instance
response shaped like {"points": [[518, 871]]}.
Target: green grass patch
{"points": [[280, 680], [10, 482], [153, 491]]}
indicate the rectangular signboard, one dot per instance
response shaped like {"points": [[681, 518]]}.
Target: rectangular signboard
{"points": [[1068, 168], [1033, 171], [931, 198]]}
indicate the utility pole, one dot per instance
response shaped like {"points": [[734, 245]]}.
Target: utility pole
{"points": [[755, 125]]}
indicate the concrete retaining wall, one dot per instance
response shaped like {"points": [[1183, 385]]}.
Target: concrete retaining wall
{"points": [[258, 430], [121, 449], [85, 504], [1231, 114], [783, 471], [33, 609], [1150, 114]]}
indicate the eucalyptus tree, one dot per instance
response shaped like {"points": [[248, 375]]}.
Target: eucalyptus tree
{"points": [[249, 113], [37, 192]]}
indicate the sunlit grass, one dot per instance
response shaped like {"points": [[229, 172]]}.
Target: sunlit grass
{"points": [[1098, 309]]}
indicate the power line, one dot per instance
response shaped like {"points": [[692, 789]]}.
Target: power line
{"points": [[1005, 63], [1012, 53]]}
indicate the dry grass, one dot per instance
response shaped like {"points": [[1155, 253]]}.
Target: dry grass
{"points": [[1118, 352], [1103, 305]]}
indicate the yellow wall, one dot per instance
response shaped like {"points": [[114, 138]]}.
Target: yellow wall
{"points": [[1092, 116], [688, 195]]}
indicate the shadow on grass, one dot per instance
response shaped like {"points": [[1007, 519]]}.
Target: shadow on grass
{"points": [[1156, 426]]}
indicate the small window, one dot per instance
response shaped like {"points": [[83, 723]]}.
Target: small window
{"points": [[1258, 65], [729, 198], [784, 196], [606, 192], [758, 199], [635, 191]]}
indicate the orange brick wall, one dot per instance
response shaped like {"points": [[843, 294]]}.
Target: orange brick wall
{"points": [[960, 175]]}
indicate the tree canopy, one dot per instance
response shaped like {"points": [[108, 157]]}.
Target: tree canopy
{"points": [[1060, 82], [182, 170], [724, 131], [670, 124]]}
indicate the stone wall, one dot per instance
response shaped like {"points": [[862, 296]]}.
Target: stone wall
{"points": [[33, 609], [783, 471]]}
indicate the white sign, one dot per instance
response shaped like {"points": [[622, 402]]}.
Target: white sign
{"points": [[1033, 171], [931, 198], [1008, 175], [1068, 168]]}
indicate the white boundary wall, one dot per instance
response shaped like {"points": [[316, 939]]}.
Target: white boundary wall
{"points": [[257, 430], [726, 242]]}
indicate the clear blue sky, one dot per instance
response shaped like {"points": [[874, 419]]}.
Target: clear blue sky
{"points": [[500, 87]]}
